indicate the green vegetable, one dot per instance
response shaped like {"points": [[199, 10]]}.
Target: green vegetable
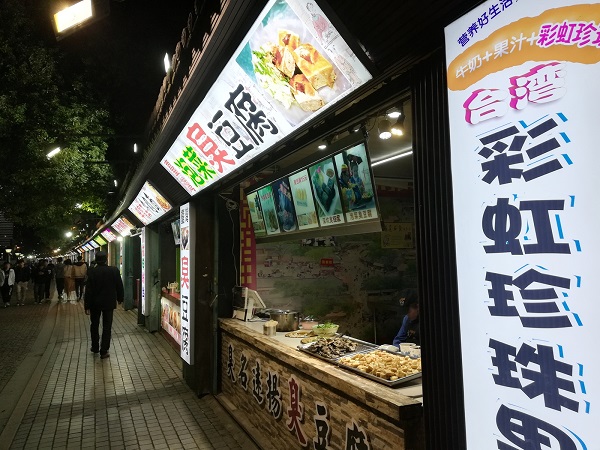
{"points": [[326, 325]]}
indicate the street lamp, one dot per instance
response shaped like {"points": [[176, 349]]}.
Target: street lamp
{"points": [[53, 153], [68, 234]]}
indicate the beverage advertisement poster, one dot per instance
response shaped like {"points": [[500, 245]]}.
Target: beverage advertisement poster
{"points": [[267, 203], [291, 66], [149, 204], [356, 185], [523, 117], [284, 206], [304, 203], [325, 187], [256, 214], [187, 217]]}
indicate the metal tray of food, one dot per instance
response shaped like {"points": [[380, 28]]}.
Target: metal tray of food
{"points": [[357, 345], [389, 370]]}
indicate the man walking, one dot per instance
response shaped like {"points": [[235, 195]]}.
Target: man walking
{"points": [[41, 274], [7, 281], [59, 274], [79, 274], [104, 289], [22, 277]]}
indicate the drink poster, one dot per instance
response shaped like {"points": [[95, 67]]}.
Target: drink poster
{"points": [[269, 212], [304, 203], [284, 206], [356, 184], [256, 214], [325, 187], [523, 103]]}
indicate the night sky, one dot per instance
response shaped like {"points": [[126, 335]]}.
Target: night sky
{"points": [[124, 54]]}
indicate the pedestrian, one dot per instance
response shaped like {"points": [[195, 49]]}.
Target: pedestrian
{"points": [[22, 277], [79, 274], [40, 275], [104, 290], [59, 275], [7, 281], [48, 281], [69, 283]]}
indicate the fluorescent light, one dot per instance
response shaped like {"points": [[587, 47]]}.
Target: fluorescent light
{"points": [[53, 153], [322, 147], [167, 62], [391, 158], [73, 15], [119, 238], [115, 183], [134, 148]]}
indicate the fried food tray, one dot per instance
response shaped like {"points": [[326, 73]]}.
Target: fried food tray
{"points": [[361, 346], [394, 383]]}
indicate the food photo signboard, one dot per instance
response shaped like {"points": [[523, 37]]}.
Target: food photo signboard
{"points": [[123, 226], [327, 195], [284, 205], [523, 120], [269, 211], [256, 215], [149, 204], [291, 66], [304, 203]]}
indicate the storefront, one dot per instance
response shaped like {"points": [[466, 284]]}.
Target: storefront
{"points": [[234, 138]]}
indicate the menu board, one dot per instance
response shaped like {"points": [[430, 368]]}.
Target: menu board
{"points": [[100, 240], [284, 206], [258, 221], [304, 203], [325, 187], [149, 205], [259, 99], [123, 226], [94, 244], [268, 208], [109, 235], [356, 185]]}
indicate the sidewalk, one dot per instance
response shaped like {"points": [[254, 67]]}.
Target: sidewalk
{"points": [[60, 395]]}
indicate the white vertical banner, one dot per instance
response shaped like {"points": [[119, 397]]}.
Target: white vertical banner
{"points": [[144, 277], [523, 105], [187, 219]]}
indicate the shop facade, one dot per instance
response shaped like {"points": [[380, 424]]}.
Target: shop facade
{"points": [[280, 394]]}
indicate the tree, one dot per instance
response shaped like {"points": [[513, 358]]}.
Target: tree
{"points": [[43, 106]]}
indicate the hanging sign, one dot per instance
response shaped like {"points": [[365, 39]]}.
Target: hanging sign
{"points": [[524, 173], [291, 66], [149, 204], [187, 252], [108, 235], [143, 258], [123, 226]]}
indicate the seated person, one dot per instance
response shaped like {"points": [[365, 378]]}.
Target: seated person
{"points": [[409, 331]]}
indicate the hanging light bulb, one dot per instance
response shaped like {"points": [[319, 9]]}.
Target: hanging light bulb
{"points": [[398, 127]]}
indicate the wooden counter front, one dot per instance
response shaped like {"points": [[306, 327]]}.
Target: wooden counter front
{"points": [[288, 399]]}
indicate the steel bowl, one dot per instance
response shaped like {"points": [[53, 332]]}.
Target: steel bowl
{"points": [[286, 320]]}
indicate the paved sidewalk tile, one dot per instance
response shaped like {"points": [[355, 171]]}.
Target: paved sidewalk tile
{"points": [[134, 399]]}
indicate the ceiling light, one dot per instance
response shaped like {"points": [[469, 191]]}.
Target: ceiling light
{"points": [[53, 153], [322, 146], [394, 113], [398, 127], [391, 158], [385, 129], [73, 15]]}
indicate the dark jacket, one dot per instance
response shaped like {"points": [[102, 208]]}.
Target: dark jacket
{"points": [[104, 288], [41, 274], [22, 274]]}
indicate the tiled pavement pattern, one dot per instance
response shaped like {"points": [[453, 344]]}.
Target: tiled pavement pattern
{"points": [[135, 399]]}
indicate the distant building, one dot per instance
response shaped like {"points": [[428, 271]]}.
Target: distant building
{"points": [[6, 232]]}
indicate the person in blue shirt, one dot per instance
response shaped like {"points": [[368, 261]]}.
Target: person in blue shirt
{"points": [[409, 331]]}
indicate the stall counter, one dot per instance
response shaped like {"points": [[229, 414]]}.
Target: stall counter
{"points": [[295, 399]]}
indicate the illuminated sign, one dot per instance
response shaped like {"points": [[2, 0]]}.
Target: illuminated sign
{"points": [[73, 15], [149, 204], [524, 177], [187, 252], [100, 240], [108, 235], [291, 66], [123, 226]]}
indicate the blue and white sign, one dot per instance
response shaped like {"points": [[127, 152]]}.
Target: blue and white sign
{"points": [[524, 169]]}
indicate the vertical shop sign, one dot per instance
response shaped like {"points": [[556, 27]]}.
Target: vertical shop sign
{"points": [[188, 235], [525, 183], [143, 288]]}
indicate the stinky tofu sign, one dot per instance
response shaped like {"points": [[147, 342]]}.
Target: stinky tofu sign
{"points": [[149, 204], [291, 66], [525, 183], [187, 218]]}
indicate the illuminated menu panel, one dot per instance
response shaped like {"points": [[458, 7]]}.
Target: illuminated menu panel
{"points": [[100, 240], [123, 226], [108, 235], [304, 203], [149, 204], [291, 66]]}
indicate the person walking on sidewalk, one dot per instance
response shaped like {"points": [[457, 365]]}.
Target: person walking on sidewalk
{"points": [[59, 274], [50, 267], [40, 275], [69, 283], [7, 281], [104, 289], [79, 273], [22, 277]]}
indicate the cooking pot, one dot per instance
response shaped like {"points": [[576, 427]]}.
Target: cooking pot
{"points": [[286, 320]]}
